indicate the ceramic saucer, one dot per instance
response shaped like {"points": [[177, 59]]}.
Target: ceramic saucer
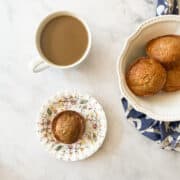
{"points": [[95, 130]]}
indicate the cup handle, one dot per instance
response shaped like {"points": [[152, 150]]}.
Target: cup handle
{"points": [[39, 66]]}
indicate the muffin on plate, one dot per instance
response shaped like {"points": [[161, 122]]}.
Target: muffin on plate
{"points": [[68, 127], [165, 49], [146, 77]]}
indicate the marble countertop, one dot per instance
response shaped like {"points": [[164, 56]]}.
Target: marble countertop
{"points": [[125, 154]]}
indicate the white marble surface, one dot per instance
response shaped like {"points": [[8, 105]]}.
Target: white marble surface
{"points": [[125, 154]]}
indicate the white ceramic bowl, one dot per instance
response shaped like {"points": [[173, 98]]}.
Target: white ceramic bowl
{"points": [[162, 106]]}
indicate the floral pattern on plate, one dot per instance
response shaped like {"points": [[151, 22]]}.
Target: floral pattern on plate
{"points": [[95, 131]]}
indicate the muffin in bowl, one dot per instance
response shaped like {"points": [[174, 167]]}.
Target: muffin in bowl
{"points": [[165, 49], [173, 77], [68, 127], [146, 77]]}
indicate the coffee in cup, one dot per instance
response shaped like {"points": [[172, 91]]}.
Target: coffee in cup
{"points": [[63, 40]]}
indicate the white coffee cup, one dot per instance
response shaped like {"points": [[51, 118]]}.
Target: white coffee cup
{"points": [[44, 63]]}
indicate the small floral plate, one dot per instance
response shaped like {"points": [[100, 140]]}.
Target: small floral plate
{"points": [[95, 131]]}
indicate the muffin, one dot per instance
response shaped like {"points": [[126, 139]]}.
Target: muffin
{"points": [[173, 79], [68, 127], [165, 49], [146, 77]]}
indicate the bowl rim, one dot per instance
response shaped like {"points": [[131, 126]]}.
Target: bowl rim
{"points": [[120, 60]]}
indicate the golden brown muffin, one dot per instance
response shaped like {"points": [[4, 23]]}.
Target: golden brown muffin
{"points": [[68, 127], [173, 80], [165, 49], [146, 77]]}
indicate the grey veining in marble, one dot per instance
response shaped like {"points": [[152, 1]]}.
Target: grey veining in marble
{"points": [[125, 153]]}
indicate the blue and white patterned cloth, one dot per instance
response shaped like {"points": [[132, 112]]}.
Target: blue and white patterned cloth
{"points": [[167, 7], [167, 134]]}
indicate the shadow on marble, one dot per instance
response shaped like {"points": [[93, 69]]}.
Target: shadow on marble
{"points": [[8, 173]]}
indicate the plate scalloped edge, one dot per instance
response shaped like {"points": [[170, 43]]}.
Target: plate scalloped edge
{"points": [[50, 147]]}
